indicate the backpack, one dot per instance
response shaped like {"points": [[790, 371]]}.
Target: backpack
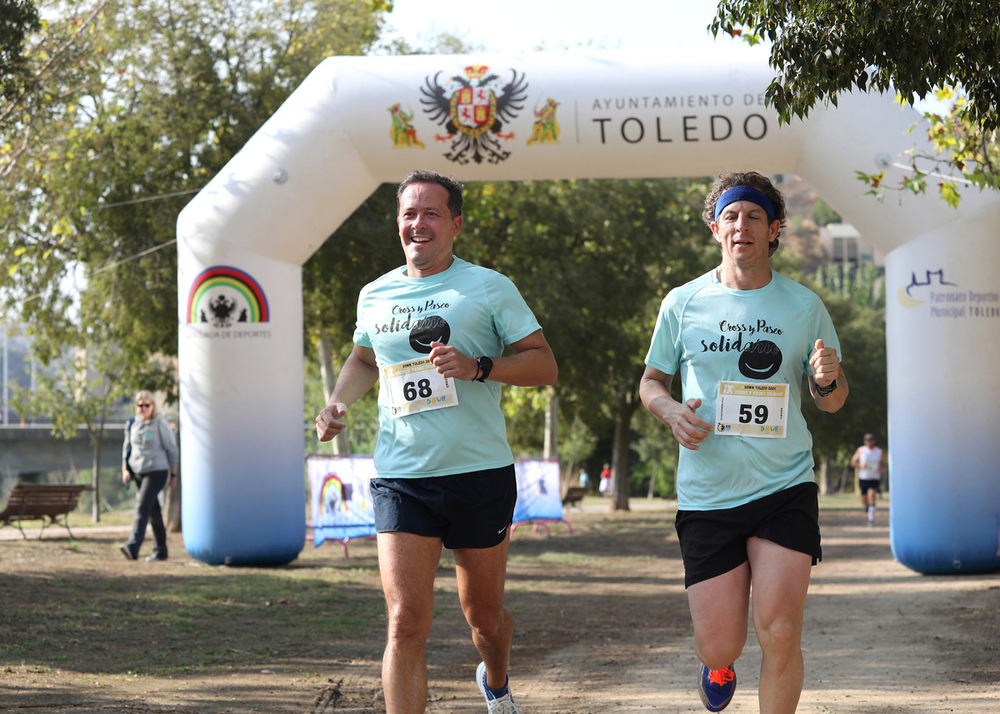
{"points": [[128, 449]]}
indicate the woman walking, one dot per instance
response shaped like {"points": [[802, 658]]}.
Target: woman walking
{"points": [[149, 456]]}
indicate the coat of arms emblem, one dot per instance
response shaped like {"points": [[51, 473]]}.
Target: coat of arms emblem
{"points": [[474, 112]]}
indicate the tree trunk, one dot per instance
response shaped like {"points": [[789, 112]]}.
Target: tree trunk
{"points": [[173, 510], [652, 481], [551, 448], [326, 368], [96, 481], [619, 461], [824, 476], [842, 486], [568, 477], [341, 443]]}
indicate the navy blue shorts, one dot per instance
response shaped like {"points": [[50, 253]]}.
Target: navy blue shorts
{"points": [[869, 484], [715, 542], [470, 510]]}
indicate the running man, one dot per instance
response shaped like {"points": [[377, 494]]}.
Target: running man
{"points": [[741, 339], [432, 333]]}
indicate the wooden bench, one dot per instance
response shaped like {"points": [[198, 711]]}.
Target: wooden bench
{"points": [[574, 494], [38, 501]]}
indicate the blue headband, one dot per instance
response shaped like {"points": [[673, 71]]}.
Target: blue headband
{"points": [[744, 193]]}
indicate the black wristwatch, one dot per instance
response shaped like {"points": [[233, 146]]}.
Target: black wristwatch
{"points": [[827, 390], [485, 365]]}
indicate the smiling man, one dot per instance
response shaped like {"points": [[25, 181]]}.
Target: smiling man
{"points": [[432, 334], [742, 339]]}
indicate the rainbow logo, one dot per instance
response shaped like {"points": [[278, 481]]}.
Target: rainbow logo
{"points": [[223, 295], [332, 494]]}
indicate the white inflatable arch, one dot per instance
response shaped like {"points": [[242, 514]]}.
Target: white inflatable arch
{"points": [[357, 122]]}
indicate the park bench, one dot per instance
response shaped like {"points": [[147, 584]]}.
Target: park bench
{"points": [[574, 494], [38, 501]]}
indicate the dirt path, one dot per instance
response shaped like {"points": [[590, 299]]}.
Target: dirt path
{"points": [[602, 625], [879, 637]]}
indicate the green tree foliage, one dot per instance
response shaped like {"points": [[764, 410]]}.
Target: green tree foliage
{"points": [[363, 248], [130, 107], [19, 18], [577, 447], [657, 453], [38, 139], [969, 154], [821, 49], [122, 110], [823, 214], [856, 302]]}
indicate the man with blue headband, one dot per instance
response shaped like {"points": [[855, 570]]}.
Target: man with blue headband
{"points": [[742, 339]]}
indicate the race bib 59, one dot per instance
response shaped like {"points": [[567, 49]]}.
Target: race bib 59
{"points": [[752, 409]]}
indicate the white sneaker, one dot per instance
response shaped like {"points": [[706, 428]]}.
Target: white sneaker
{"points": [[503, 705]]}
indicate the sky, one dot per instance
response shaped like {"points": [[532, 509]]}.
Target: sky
{"points": [[527, 25]]}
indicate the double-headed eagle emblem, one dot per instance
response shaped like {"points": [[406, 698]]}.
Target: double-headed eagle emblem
{"points": [[474, 113]]}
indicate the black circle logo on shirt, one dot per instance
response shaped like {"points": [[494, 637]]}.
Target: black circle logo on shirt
{"points": [[760, 360], [426, 330]]}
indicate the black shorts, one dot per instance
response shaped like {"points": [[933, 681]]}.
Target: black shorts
{"points": [[869, 484], [470, 510], [715, 542]]}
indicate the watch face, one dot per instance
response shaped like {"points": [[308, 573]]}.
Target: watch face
{"points": [[485, 365]]}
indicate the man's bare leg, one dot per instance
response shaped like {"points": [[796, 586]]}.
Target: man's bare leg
{"points": [[481, 573], [780, 583], [407, 564]]}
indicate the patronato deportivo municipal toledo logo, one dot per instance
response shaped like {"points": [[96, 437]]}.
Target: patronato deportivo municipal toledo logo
{"points": [[946, 299], [910, 296], [222, 296], [473, 110]]}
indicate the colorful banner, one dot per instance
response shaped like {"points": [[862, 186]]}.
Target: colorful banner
{"points": [[340, 501], [539, 496]]}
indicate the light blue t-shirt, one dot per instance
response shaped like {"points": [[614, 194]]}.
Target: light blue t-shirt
{"points": [[474, 309], [706, 333]]}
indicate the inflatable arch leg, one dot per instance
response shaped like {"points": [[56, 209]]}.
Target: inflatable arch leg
{"points": [[943, 312], [943, 323], [241, 418]]}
